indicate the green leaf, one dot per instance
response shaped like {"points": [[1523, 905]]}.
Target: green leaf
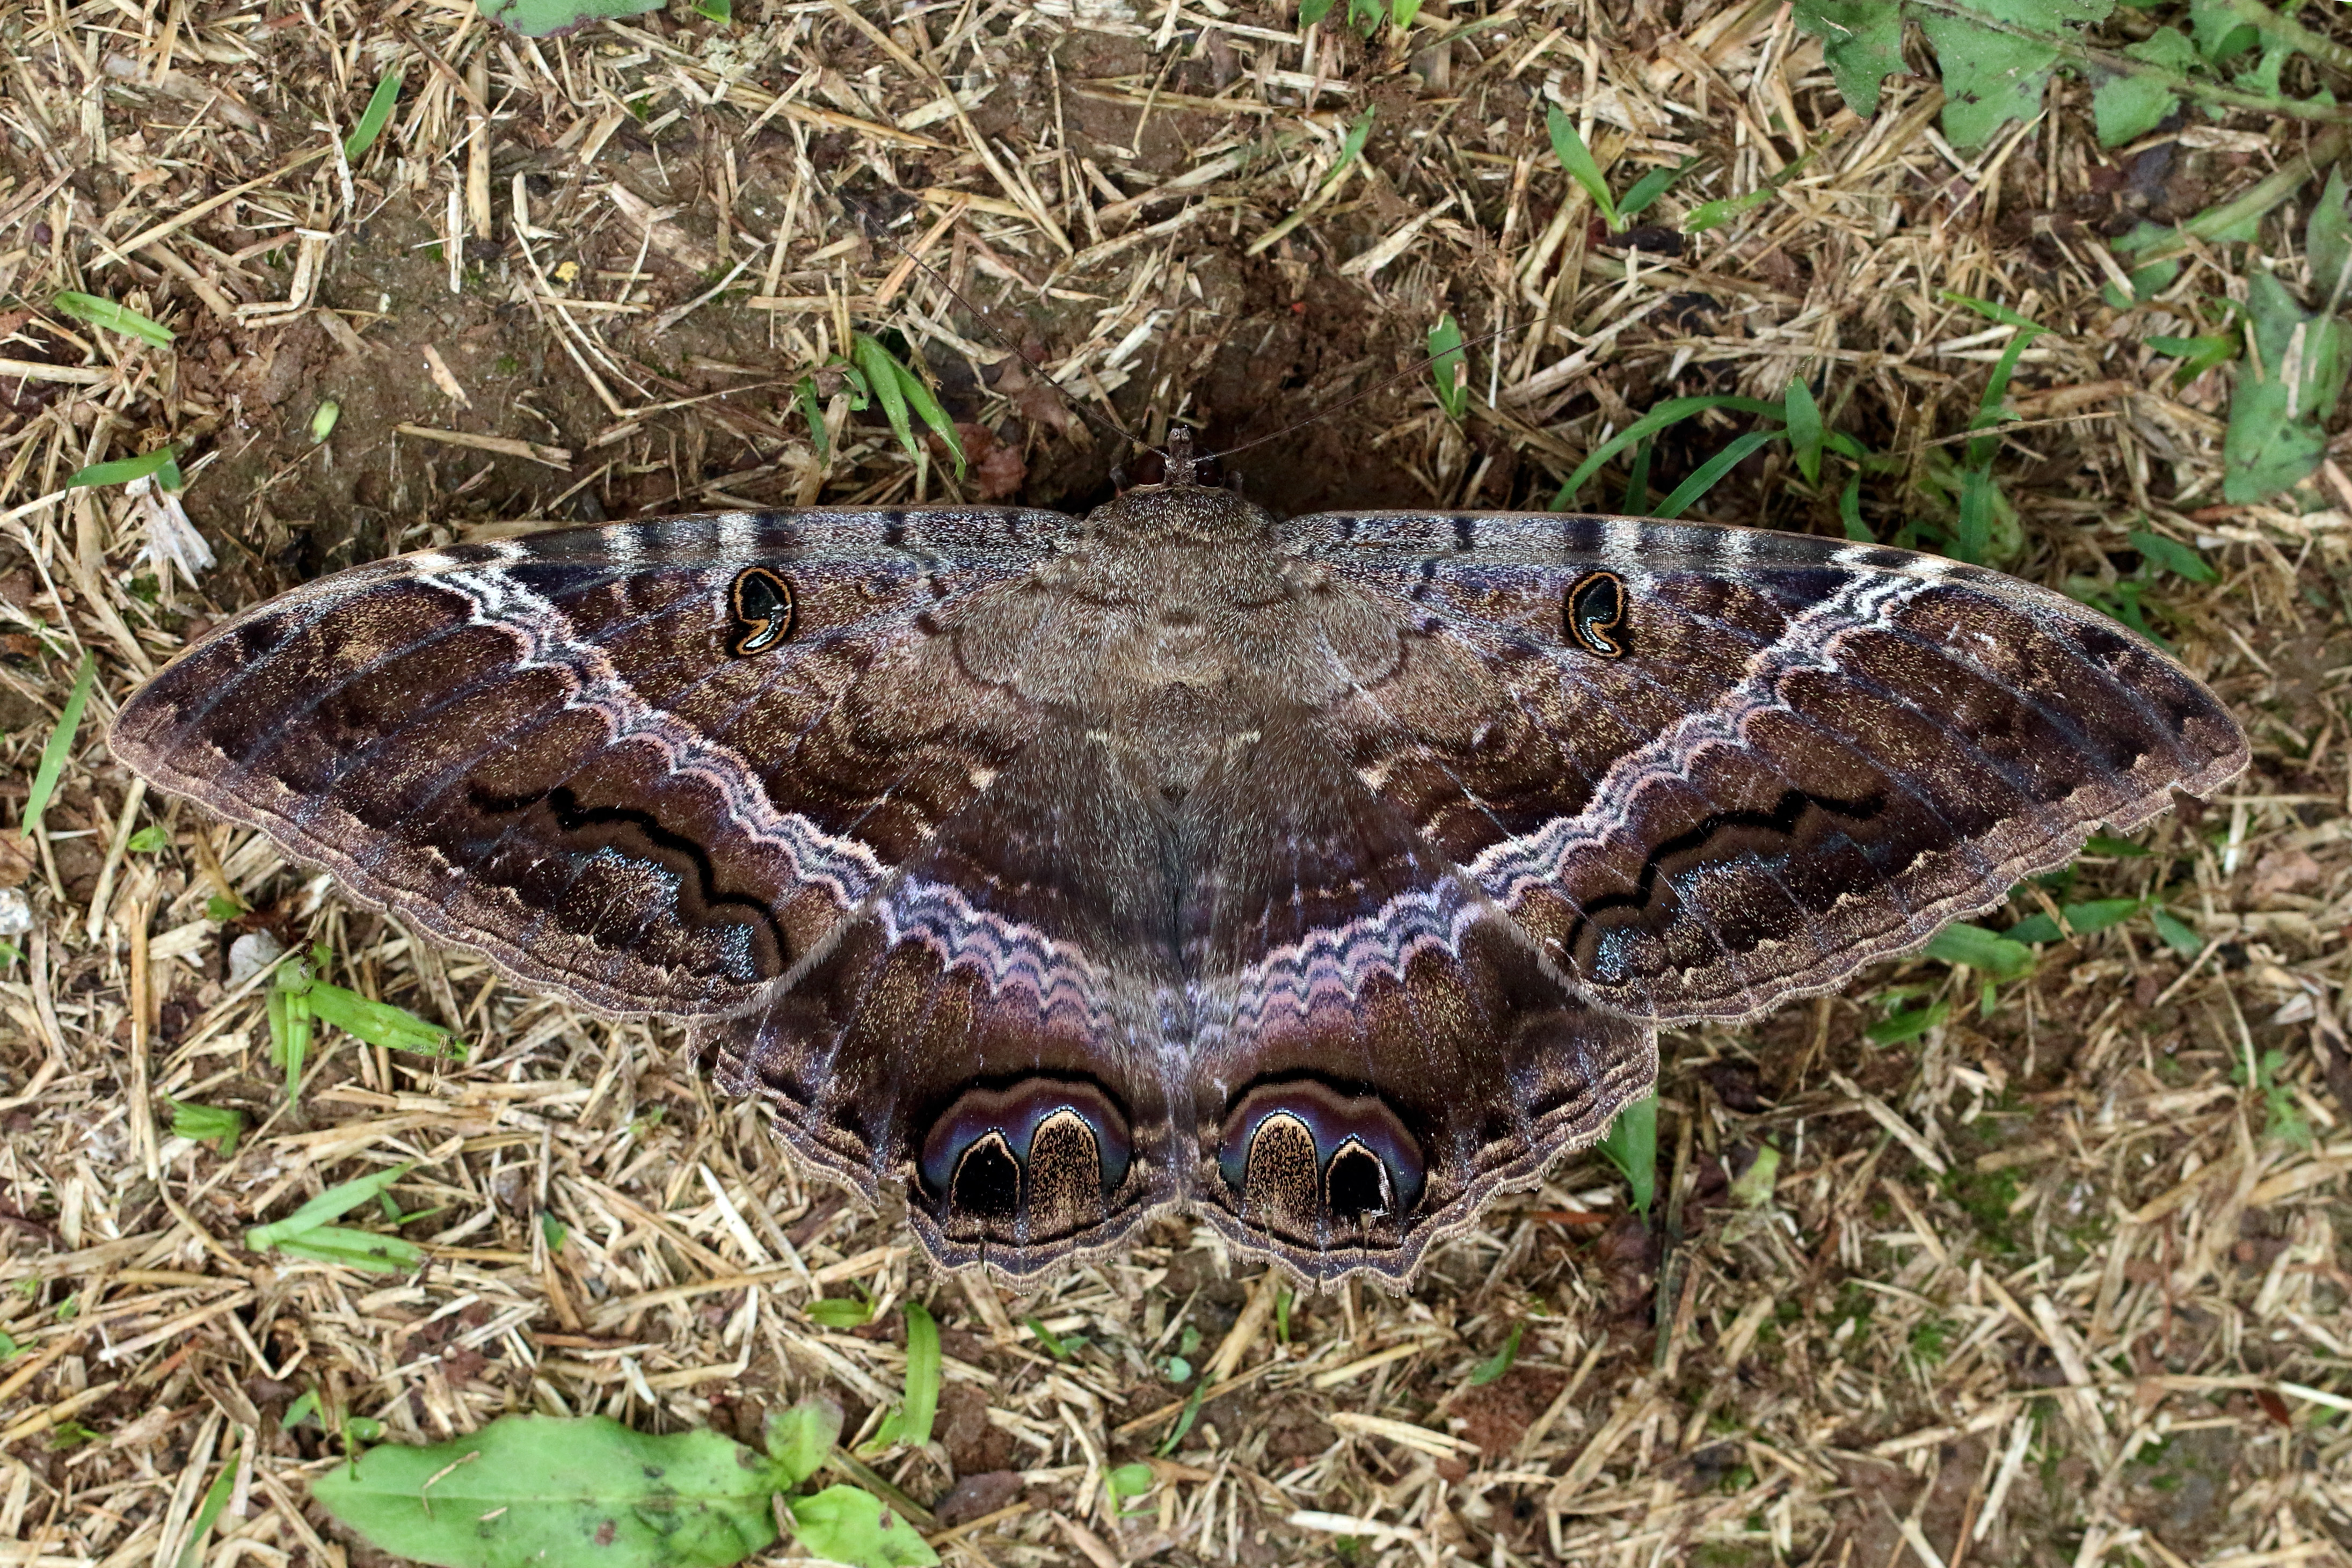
{"points": [[553, 1231], [113, 317], [715, 10], [538, 18], [1448, 369], [370, 1252], [324, 420], [2327, 243], [1631, 1145], [1863, 42], [804, 392], [1993, 75], [2288, 384], [2172, 556], [124, 470], [850, 1526], [2196, 355], [1402, 13], [2000, 957], [374, 117], [534, 1489], [1127, 1480], [2100, 845], [2221, 29], [922, 1376], [839, 1312], [222, 909], [381, 1023], [927, 408], [1048, 1338], [1184, 1419], [217, 1125], [1804, 418], [1495, 1365], [2130, 104], [2176, 932], [1849, 511], [1908, 1025], [1756, 1184], [1651, 185], [2084, 919], [801, 1438], [148, 840], [1351, 147], [1313, 11], [58, 749], [328, 1206], [2034, 928], [1703, 477], [1577, 159], [1671, 411]]}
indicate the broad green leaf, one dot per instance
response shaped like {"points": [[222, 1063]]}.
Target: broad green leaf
{"points": [[374, 119], [381, 1023], [2221, 29], [2172, 556], [1495, 1365], [1575, 157], [124, 470], [715, 10], [1862, 40], [1999, 956], [1402, 14], [541, 1490], [801, 1437], [538, 18], [1448, 369], [58, 748], [2288, 384], [1804, 417], [1127, 1480], [851, 1526], [1631, 1145], [2129, 104], [1313, 11], [114, 318]]}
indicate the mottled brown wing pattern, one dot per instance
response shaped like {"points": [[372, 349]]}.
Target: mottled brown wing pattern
{"points": [[1773, 758]]}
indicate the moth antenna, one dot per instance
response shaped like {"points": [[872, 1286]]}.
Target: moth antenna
{"points": [[1321, 414], [1100, 423]]}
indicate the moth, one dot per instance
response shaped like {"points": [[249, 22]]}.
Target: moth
{"points": [[1323, 878]]}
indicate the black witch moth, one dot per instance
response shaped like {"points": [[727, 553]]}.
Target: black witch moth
{"points": [[1323, 878]]}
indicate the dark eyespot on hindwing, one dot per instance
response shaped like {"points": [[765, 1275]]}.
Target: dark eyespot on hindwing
{"points": [[763, 610], [1594, 609]]}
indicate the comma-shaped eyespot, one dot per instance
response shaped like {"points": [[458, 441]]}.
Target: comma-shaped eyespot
{"points": [[1593, 609], [1316, 1166], [1027, 1163], [764, 611]]}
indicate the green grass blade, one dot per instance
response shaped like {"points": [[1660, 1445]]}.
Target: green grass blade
{"points": [[114, 318], [1650, 186], [124, 470], [375, 116], [884, 375], [1703, 478], [1631, 1145], [1351, 147], [1666, 414], [59, 746], [330, 1205], [1449, 370], [922, 1376], [1804, 417], [927, 409], [1575, 157], [1495, 1365]]}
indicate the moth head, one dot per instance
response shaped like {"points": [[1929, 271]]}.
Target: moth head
{"points": [[1317, 1166], [1033, 1163]]}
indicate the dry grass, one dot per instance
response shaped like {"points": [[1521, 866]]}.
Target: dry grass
{"points": [[2045, 1286]]}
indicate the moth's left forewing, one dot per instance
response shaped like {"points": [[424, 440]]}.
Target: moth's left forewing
{"points": [[1718, 767]]}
